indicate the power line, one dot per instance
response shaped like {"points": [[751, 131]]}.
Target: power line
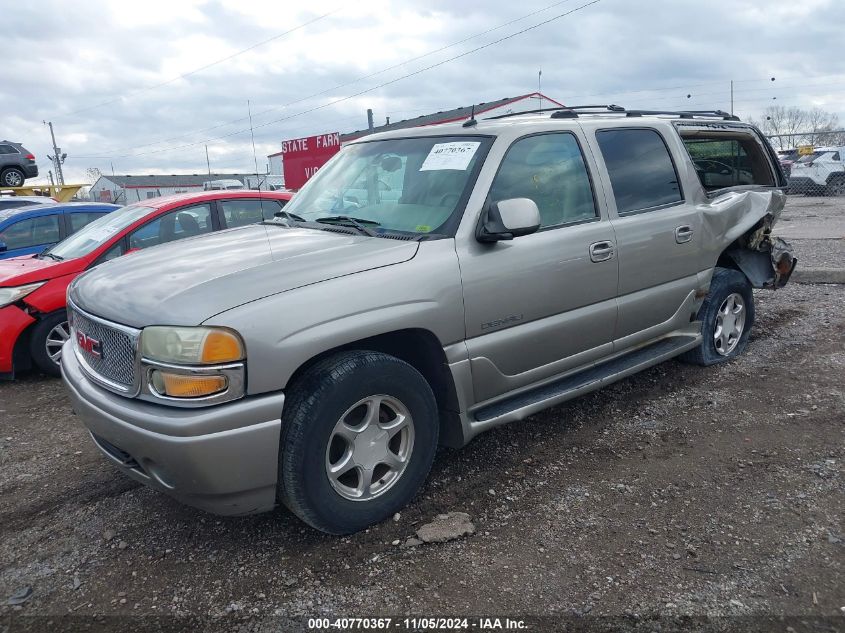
{"points": [[371, 89], [353, 81], [201, 68]]}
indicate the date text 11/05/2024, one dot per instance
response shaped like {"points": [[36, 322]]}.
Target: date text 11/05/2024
{"points": [[417, 624]]}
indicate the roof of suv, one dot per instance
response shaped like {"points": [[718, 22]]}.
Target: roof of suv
{"points": [[545, 120]]}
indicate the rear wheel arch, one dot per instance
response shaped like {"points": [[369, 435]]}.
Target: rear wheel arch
{"points": [[421, 349]]}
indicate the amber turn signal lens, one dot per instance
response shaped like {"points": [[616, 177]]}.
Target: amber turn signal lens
{"points": [[183, 386], [220, 346]]}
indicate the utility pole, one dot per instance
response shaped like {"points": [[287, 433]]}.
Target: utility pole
{"points": [[207, 162], [50, 173], [57, 157], [370, 119], [539, 87]]}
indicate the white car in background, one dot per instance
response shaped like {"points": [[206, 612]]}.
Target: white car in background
{"points": [[822, 172], [223, 185]]}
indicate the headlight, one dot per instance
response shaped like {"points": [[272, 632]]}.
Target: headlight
{"points": [[191, 345], [187, 363], [8, 296]]}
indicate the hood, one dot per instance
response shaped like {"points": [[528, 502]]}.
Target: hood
{"points": [[27, 269], [189, 281]]}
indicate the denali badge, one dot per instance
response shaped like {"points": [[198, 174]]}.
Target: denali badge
{"points": [[88, 344]]}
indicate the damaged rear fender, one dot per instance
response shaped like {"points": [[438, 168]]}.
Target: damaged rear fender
{"points": [[740, 223]]}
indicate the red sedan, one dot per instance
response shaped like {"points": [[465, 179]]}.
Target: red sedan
{"points": [[33, 321]]}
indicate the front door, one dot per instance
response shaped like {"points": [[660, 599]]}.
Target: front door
{"points": [[541, 304]]}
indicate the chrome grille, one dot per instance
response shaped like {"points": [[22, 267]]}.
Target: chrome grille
{"points": [[115, 365]]}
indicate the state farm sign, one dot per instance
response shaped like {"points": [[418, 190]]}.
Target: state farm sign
{"points": [[302, 157]]}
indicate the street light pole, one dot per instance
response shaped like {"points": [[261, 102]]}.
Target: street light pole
{"points": [[57, 157]]}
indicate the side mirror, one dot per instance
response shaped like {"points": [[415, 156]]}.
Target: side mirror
{"points": [[3, 247], [507, 219]]}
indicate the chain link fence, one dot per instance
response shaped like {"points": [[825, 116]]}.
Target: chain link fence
{"points": [[813, 163]]}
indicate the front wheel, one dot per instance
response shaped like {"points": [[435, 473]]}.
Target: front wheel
{"points": [[359, 434], [726, 316], [48, 336]]}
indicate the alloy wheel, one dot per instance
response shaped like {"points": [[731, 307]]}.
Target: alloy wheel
{"points": [[369, 447], [730, 323], [55, 339]]}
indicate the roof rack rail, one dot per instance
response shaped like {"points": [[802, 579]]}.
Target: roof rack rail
{"points": [[572, 112]]}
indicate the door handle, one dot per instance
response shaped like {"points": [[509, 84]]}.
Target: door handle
{"points": [[683, 234], [601, 251]]}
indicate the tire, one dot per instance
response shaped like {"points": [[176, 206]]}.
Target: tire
{"points": [[46, 334], [726, 284], [836, 186], [12, 177], [326, 406]]}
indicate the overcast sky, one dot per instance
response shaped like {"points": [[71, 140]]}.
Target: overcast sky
{"points": [[109, 74]]}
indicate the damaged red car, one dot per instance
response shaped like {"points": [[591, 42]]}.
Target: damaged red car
{"points": [[33, 320]]}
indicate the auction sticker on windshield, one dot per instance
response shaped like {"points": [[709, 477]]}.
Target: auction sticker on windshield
{"points": [[450, 156]]}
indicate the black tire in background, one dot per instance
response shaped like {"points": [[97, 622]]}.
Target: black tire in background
{"points": [[835, 186], [46, 327], [313, 406], [12, 177], [725, 282]]}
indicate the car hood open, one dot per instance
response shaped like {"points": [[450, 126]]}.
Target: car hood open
{"points": [[189, 281]]}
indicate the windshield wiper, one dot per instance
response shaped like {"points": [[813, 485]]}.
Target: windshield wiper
{"points": [[51, 256], [355, 223], [284, 215]]}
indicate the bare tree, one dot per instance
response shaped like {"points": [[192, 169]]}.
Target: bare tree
{"points": [[792, 126], [781, 120], [93, 174]]}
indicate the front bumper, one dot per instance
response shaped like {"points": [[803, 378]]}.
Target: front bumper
{"points": [[222, 459], [13, 321]]}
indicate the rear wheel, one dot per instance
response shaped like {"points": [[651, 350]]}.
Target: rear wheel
{"points": [[48, 336], [359, 434], [12, 177], [836, 186], [726, 319]]}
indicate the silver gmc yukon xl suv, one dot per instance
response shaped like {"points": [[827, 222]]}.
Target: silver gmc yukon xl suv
{"points": [[426, 285]]}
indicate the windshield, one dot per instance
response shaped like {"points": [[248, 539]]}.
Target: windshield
{"points": [[98, 232], [809, 158], [411, 185]]}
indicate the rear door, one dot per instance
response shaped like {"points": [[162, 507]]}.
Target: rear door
{"points": [[658, 231], [541, 304]]}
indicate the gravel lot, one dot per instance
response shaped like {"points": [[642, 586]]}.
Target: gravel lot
{"points": [[816, 229], [679, 492]]}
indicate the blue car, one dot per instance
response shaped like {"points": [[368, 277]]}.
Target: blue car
{"points": [[29, 230]]}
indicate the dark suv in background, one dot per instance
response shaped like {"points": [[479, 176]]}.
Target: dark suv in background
{"points": [[16, 164]]}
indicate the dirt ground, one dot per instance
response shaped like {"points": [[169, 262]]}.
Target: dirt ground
{"points": [[683, 491]]}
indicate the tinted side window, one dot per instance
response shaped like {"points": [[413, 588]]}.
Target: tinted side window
{"points": [[175, 225], [78, 220], [7, 149], [641, 171], [31, 232], [241, 212], [549, 169]]}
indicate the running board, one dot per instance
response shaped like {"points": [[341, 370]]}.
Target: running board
{"points": [[529, 402]]}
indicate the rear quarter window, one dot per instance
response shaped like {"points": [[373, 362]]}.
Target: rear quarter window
{"points": [[728, 159]]}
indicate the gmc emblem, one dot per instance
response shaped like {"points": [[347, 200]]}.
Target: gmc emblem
{"points": [[90, 345]]}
